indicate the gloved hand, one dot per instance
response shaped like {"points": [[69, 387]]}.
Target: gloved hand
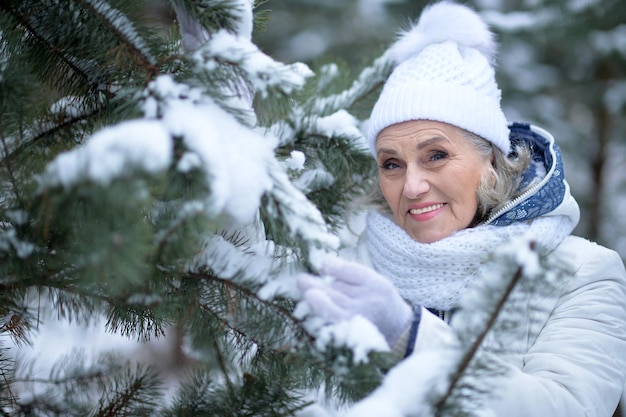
{"points": [[356, 289]]}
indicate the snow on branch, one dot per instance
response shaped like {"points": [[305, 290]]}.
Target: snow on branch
{"points": [[240, 263], [141, 144], [514, 22], [118, 22], [369, 79], [243, 11], [263, 72], [302, 218], [192, 32], [236, 159], [10, 241]]}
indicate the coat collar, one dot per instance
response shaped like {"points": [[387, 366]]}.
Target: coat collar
{"points": [[545, 177]]}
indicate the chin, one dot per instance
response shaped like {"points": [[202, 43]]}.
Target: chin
{"points": [[426, 238]]}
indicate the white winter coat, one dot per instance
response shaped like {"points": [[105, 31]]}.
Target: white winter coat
{"points": [[570, 356]]}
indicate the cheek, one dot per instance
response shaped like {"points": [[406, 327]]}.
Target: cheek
{"points": [[390, 191]]}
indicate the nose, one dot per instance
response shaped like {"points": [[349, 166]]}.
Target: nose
{"points": [[415, 183]]}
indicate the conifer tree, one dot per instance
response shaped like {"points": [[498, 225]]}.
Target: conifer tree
{"points": [[180, 180], [168, 180]]}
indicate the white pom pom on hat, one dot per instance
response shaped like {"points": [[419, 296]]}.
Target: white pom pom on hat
{"points": [[444, 73]]}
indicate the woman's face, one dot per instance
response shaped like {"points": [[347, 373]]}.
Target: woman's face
{"points": [[429, 173]]}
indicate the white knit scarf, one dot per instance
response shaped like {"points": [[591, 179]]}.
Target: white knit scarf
{"points": [[436, 274]]}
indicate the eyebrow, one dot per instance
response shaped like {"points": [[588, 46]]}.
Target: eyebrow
{"points": [[420, 145], [430, 141]]}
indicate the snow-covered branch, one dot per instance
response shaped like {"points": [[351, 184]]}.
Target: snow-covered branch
{"points": [[120, 24]]}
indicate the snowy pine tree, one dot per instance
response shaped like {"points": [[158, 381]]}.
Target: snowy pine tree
{"points": [[169, 180], [174, 182]]}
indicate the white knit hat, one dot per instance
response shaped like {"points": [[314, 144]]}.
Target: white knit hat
{"points": [[444, 73]]}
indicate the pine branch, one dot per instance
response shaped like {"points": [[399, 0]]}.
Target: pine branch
{"points": [[331, 362], [246, 291], [188, 214], [7, 370], [222, 364], [8, 165], [50, 131], [123, 399], [23, 19], [471, 353], [85, 378], [119, 24], [369, 80], [213, 15], [17, 327], [229, 285]]}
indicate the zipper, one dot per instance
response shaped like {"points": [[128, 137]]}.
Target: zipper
{"points": [[535, 187]]}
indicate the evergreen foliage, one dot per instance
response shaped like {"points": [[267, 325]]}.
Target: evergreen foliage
{"points": [[139, 184]]}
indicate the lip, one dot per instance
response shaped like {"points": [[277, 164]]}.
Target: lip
{"points": [[425, 211]]}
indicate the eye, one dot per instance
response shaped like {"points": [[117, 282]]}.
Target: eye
{"points": [[438, 155], [389, 164]]}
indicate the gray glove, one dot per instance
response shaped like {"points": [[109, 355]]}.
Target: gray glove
{"points": [[354, 289]]}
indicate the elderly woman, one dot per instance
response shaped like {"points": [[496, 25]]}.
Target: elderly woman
{"points": [[457, 181]]}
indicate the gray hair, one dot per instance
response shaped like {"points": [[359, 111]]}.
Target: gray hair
{"points": [[502, 183], [495, 189]]}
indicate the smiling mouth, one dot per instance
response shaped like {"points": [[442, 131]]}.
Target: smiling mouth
{"points": [[426, 209]]}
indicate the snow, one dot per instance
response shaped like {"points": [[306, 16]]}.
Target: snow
{"points": [[313, 410], [235, 157], [246, 19], [516, 21], [238, 160], [407, 387], [615, 97], [124, 26], [580, 6], [295, 161], [340, 123], [188, 162], [60, 339], [314, 179], [284, 284], [357, 333], [302, 217], [526, 257], [609, 41], [231, 262], [262, 71], [9, 239], [140, 144], [67, 106], [283, 132], [490, 288]]}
